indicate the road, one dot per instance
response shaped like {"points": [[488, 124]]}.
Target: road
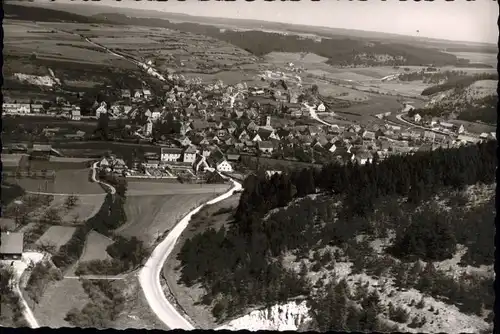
{"points": [[94, 167], [149, 276], [314, 115], [28, 314], [400, 118], [96, 277]]}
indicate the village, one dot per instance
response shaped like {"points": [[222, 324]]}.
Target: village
{"points": [[201, 128]]}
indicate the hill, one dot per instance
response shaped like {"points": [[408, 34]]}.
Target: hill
{"points": [[468, 98], [386, 245], [41, 14]]}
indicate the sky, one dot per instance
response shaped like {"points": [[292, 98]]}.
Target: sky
{"points": [[458, 20]]}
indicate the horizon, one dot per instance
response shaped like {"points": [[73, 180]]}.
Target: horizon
{"points": [[471, 21]]}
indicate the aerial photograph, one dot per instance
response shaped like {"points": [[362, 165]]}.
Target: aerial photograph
{"points": [[249, 165]]}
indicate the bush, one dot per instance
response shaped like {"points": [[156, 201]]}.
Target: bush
{"points": [[398, 314]]}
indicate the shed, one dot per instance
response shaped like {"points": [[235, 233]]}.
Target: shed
{"points": [[11, 246]]}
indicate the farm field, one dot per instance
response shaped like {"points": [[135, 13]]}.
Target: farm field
{"points": [[54, 163], [376, 105], [86, 207], [11, 160], [50, 42], [167, 188], [341, 92], [299, 59], [57, 236], [148, 217], [477, 57], [189, 296], [66, 182], [137, 312], [57, 300], [95, 247], [228, 77]]}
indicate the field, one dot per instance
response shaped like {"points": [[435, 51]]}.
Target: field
{"points": [[57, 300], [95, 247], [66, 182], [50, 41], [476, 57], [86, 207], [57, 236], [188, 297], [149, 216], [135, 188]]}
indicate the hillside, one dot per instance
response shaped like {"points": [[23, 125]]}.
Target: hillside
{"points": [[386, 246], [41, 14], [469, 99]]}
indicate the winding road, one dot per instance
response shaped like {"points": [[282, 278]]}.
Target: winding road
{"points": [[149, 276], [400, 118]]}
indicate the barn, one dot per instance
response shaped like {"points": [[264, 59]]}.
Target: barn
{"points": [[11, 246]]}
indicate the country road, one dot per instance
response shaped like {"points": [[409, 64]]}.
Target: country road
{"points": [[400, 118], [149, 276]]}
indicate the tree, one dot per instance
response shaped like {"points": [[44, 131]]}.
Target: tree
{"points": [[70, 201]]}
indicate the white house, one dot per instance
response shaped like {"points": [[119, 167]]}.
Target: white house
{"points": [[189, 154], [101, 110], [417, 118], [146, 93], [148, 128], [155, 115], [75, 113], [321, 107], [257, 138], [170, 154], [224, 166]]}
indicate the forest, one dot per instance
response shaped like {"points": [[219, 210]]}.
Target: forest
{"points": [[239, 266], [459, 82]]}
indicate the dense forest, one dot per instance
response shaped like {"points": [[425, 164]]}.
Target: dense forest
{"points": [[459, 82], [238, 266]]}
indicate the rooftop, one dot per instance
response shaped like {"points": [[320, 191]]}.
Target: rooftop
{"points": [[11, 243]]}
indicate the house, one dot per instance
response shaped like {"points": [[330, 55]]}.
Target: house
{"points": [[36, 108], [101, 110], [468, 139], [330, 147], [368, 135], [185, 141], [171, 154], [242, 135], [148, 128], [252, 126], [447, 125], [461, 129], [265, 147], [17, 108], [151, 163], [40, 151], [417, 118], [126, 94], [429, 135], [224, 166], [11, 247], [321, 108], [363, 157], [484, 136], [232, 157], [146, 93], [75, 113], [189, 154], [199, 125], [138, 94], [155, 115], [257, 138]]}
